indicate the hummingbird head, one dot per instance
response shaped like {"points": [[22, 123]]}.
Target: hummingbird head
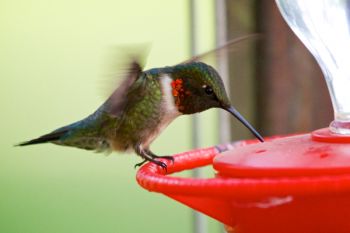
{"points": [[197, 87]]}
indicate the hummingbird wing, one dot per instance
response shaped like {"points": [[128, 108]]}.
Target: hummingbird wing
{"points": [[116, 103], [228, 46]]}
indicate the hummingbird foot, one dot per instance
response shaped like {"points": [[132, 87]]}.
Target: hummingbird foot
{"points": [[140, 164], [154, 156], [145, 154]]}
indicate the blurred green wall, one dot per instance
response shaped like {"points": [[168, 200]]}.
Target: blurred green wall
{"points": [[53, 57]]}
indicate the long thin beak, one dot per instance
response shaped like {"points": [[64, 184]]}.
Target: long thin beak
{"points": [[236, 114]]}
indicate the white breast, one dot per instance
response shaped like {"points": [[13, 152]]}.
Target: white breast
{"points": [[170, 111]]}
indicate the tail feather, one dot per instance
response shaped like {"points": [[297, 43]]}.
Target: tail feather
{"points": [[54, 136]]}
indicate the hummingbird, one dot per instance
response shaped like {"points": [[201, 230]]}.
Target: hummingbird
{"points": [[143, 105]]}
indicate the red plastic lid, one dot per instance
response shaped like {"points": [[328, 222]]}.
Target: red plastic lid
{"points": [[325, 135], [299, 155]]}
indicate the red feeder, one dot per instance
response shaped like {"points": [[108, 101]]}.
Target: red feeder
{"points": [[288, 184]]}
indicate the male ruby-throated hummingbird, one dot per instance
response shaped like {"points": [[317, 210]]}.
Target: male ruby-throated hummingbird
{"points": [[142, 106]]}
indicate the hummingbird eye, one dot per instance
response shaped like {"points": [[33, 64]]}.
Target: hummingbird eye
{"points": [[208, 90]]}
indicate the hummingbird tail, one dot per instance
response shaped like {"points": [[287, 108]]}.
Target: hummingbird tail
{"points": [[54, 136]]}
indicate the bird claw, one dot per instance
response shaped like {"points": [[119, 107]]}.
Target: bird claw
{"points": [[148, 155], [161, 164], [171, 158], [158, 163], [140, 164]]}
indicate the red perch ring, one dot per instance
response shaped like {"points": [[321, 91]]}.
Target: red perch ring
{"points": [[287, 184]]}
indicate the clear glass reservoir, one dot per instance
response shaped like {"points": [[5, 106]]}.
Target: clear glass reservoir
{"points": [[323, 26]]}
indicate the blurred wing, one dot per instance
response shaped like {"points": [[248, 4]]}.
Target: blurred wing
{"points": [[118, 64], [227, 47], [117, 101]]}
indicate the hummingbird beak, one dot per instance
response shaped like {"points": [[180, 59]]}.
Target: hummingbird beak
{"points": [[236, 114]]}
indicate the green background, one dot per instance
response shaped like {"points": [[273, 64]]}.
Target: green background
{"points": [[54, 58]]}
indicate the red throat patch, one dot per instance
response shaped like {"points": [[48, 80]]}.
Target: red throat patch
{"points": [[177, 87], [178, 92]]}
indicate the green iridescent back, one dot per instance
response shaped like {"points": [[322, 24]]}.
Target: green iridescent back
{"points": [[142, 113]]}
